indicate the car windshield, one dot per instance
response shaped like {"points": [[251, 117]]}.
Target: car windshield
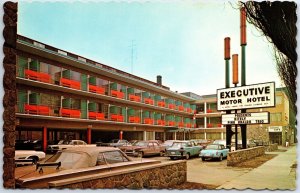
{"points": [[141, 143], [65, 142], [168, 143], [212, 147], [178, 144]]}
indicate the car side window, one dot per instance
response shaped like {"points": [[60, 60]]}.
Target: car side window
{"points": [[100, 159], [74, 142], [114, 157]]}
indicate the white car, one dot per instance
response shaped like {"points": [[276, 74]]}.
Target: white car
{"points": [[64, 144], [35, 156]]}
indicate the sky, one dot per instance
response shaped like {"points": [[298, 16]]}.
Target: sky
{"points": [[181, 41]]}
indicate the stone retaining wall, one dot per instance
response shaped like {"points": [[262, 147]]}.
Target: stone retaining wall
{"points": [[238, 156], [271, 147], [163, 175]]}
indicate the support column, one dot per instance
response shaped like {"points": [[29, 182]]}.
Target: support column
{"points": [[204, 135], [205, 122], [183, 135], [164, 136], [222, 135], [153, 135], [89, 135], [175, 135], [121, 135], [45, 139], [145, 135]]}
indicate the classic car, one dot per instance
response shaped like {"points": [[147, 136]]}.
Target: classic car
{"points": [[183, 149], [21, 156], [144, 148], [28, 145], [116, 143], [75, 162], [168, 143], [214, 151], [63, 144]]}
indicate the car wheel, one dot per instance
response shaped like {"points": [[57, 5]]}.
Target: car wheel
{"points": [[221, 157], [203, 159], [187, 156], [172, 158], [34, 159]]}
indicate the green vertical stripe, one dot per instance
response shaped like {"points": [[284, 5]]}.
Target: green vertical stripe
{"points": [[22, 99], [84, 82], [22, 64], [34, 65], [83, 109], [66, 74]]}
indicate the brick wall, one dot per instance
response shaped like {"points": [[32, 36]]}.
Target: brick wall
{"points": [[244, 154], [164, 175], [271, 147]]}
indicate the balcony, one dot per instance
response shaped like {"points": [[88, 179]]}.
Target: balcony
{"points": [[180, 124], [180, 108], [39, 76], [160, 122], [72, 113], [149, 101], [171, 123], [189, 110], [96, 89], [133, 119], [37, 109], [161, 104], [117, 94], [134, 98], [117, 117], [148, 121], [70, 83], [96, 115], [171, 106], [214, 125]]}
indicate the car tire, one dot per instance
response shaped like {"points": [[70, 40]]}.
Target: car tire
{"points": [[187, 156], [34, 158], [221, 157], [203, 159], [172, 158], [141, 154]]}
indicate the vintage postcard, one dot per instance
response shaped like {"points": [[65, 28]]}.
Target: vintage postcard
{"points": [[149, 95]]}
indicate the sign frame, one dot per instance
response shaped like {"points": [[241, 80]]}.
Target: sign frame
{"points": [[237, 87], [268, 115]]}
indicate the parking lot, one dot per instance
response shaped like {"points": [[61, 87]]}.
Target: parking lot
{"points": [[207, 172]]}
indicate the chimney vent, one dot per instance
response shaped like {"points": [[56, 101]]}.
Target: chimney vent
{"points": [[159, 80]]}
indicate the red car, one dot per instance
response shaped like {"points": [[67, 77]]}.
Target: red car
{"points": [[144, 148]]}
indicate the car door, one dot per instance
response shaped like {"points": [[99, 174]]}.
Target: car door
{"points": [[156, 148]]}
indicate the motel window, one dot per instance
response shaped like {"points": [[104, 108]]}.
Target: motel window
{"points": [[276, 117]]}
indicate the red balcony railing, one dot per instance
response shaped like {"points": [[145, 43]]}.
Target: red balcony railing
{"points": [[171, 123], [209, 125], [161, 104], [180, 124], [117, 94], [180, 108], [171, 106], [96, 89], [133, 119], [160, 122], [37, 109], [149, 101], [72, 113], [39, 76], [134, 98], [189, 110], [188, 125], [70, 83], [148, 121], [117, 117], [96, 115]]}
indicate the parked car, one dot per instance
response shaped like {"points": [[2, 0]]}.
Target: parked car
{"points": [[183, 149], [144, 148], [21, 156], [214, 151], [63, 144], [169, 143], [74, 162], [28, 145], [116, 143]]}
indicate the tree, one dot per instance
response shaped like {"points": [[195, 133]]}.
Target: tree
{"points": [[277, 21]]}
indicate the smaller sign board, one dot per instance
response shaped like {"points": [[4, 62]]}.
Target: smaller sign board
{"points": [[246, 118], [275, 129]]}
